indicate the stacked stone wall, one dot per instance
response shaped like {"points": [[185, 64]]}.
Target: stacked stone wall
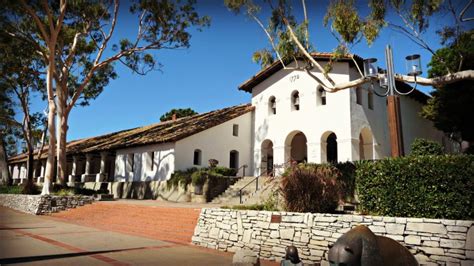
{"points": [[432, 241], [37, 204]]}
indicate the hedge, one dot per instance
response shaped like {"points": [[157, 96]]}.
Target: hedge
{"points": [[418, 186]]}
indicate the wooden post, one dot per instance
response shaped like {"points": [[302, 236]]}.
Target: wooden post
{"points": [[395, 126]]}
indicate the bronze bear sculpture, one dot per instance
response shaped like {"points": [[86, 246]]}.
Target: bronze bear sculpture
{"points": [[359, 246]]}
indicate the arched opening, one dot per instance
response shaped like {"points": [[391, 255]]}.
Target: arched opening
{"points": [[197, 157], [296, 147], [366, 144], [329, 147], [267, 157], [295, 101], [272, 106], [234, 159]]}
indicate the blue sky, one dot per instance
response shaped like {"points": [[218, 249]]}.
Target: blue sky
{"points": [[205, 77]]}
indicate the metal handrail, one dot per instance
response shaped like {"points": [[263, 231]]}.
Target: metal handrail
{"points": [[251, 181], [242, 167]]}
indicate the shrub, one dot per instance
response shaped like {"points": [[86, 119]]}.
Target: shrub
{"points": [[199, 177], [418, 186], [426, 147], [346, 181], [10, 189], [310, 188], [222, 171], [182, 178]]}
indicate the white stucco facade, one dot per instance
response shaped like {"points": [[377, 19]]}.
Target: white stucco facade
{"points": [[217, 143], [150, 163], [308, 132]]}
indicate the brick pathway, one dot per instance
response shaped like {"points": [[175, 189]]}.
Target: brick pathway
{"points": [[156, 222]]}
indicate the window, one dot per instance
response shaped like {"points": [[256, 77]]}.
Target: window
{"points": [[235, 130], [359, 95], [272, 106], [151, 160], [370, 100], [197, 157], [295, 101], [322, 96]]}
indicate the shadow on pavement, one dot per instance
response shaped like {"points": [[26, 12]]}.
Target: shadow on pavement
{"points": [[62, 256]]}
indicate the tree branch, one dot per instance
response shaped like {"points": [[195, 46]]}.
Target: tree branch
{"points": [[461, 15], [35, 17], [303, 50]]}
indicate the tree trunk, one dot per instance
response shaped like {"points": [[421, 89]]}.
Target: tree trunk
{"points": [[4, 173], [49, 171], [61, 92], [62, 160]]}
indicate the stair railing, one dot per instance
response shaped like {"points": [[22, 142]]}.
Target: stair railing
{"points": [[243, 170], [251, 181]]}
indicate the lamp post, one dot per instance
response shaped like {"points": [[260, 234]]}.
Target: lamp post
{"points": [[387, 81]]}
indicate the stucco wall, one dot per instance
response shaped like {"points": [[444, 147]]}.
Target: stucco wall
{"points": [[433, 241], [313, 119], [163, 164], [217, 143]]}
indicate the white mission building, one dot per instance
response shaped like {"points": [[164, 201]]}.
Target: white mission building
{"points": [[289, 118]]}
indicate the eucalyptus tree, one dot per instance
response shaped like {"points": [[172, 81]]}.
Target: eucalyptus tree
{"points": [[20, 78], [290, 38], [77, 43]]}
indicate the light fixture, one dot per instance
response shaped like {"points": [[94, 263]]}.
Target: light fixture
{"points": [[370, 67], [383, 81], [413, 63]]}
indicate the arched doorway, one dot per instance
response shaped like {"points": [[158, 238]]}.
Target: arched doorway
{"points": [[234, 159], [366, 144], [296, 147], [329, 147], [267, 157]]}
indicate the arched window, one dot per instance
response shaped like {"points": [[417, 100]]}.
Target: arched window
{"points": [[322, 96], [272, 106], [234, 159], [197, 157], [295, 101]]}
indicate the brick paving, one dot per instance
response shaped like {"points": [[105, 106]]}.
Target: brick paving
{"points": [[169, 224]]}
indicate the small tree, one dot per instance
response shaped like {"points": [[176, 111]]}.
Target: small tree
{"points": [[180, 112], [426, 147]]}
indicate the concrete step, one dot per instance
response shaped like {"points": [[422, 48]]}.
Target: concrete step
{"points": [[232, 194]]}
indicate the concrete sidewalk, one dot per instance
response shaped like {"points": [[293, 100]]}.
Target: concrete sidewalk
{"points": [[37, 240]]}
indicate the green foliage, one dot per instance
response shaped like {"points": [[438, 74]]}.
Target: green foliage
{"points": [[254, 207], [199, 177], [11, 189], [222, 171], [181, 178], [450, 107], [60, 190], [418, 186], [180, 112], [346, 181], [310, 188], [426, 147]]}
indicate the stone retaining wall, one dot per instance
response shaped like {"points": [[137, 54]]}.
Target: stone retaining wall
{"points": [[432, 241], [37, 204]]}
